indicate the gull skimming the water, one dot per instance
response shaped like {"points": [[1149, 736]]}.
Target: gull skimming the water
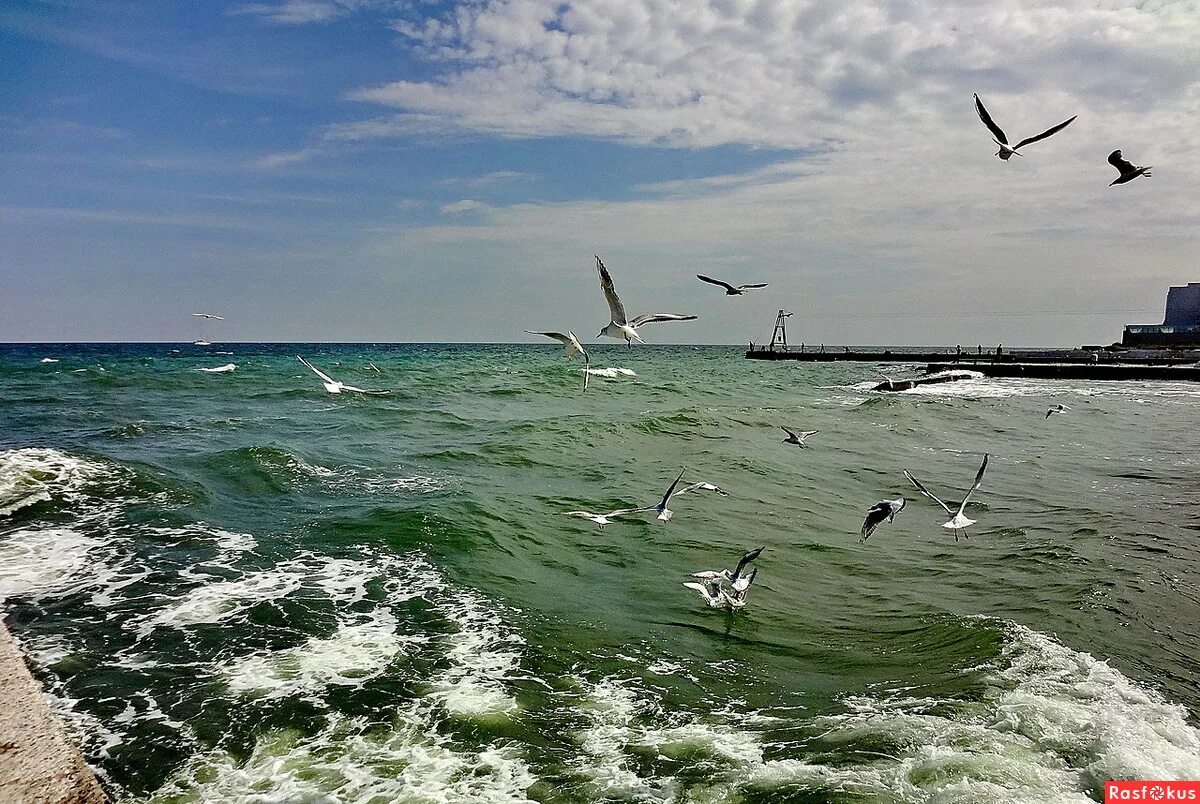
{"points": [[1127, 169], [619, 325], [715, 594], [880, 511], [1055, 409], [798, 439], [730, 290], [572, 345], [958, 520], [603, 519], [336, 387], [665, 513], [1007, 150]]}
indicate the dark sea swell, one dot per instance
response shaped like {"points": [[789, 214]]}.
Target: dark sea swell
{"points": [[238, 587]]}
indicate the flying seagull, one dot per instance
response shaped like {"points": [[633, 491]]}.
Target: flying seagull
{"points": [[209, 316], [334, 386], [1055, 409], [620, 326], [703, 486], [798, 438], [664, 513], [1007, 150], [220, 369], [730, 290], [957, 520], [880, 511], [735, 578], [1128, 170], [603, 519], [572, 345]]}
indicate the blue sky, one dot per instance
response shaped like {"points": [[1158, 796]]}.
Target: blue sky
{"points": [[393, 170]]}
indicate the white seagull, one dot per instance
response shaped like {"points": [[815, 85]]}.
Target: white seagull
{"points": [[730, 290], [1055, 409], [711, 591], [703, 486], [603, 519], [220, 369], [571, 346], [798, 438], [958, 520], [1007, 150], [1127, 169], [737, 598], [880, 511], [665, 513], [620, 326], [334, 386], [735, 578]]}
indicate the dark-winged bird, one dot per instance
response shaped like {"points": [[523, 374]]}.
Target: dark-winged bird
{"points": [[880, 511], [1007, 150], [1127, 169], [730, 290]]}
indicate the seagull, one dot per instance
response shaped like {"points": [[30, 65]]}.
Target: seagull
{"points": [[730, 290], [664, 513], [621, 327], [208, 316], [1128, 170], [711, 591], [798, 439], [957, 520], [220, 369], [336, 387], [572, 345], [1007, 150], [737, 598], [1055, 409], [703, 486], [603, 519], [735, 578], [374, 368], [884, 509]]}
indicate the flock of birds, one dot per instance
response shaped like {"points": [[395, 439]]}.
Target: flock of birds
{"points": [[725, 588], [1127, 169]]}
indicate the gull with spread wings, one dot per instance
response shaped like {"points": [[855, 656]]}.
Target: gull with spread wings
{"points": [[620, 326], [958, 520], [336, 387], [730, 290], [1128, 170], [1007, 150], [571, 346]]}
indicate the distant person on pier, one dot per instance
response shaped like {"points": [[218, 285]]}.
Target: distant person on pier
{"points": [[999, 352], [958, 353]]}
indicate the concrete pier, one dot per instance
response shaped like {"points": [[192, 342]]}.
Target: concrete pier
{"points": [[1078, 371], [38, 763], [973, 360]]}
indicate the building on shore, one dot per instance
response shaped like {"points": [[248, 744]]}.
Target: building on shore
{"points": [[1180, 326]]}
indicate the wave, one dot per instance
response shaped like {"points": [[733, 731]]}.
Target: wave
{"points": [[32, 475]]}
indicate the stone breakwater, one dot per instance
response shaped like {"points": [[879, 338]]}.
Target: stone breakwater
{"points": [[38, 762]]}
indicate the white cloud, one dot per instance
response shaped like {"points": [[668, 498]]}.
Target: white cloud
{"points": [[458, 207], [304, 12]]}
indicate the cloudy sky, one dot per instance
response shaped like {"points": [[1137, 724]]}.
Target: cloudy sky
{"points": [[432, 170]]}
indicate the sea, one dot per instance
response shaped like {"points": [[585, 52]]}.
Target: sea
{"points": [[237, 587]]}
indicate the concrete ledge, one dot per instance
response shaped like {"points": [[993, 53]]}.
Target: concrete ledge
{"points": [[38, 762]]}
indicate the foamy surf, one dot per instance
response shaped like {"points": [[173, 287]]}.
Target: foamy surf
{"points": [[32, 475], [612, 372]]}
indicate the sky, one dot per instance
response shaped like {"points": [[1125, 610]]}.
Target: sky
{"points": [[433, 170]]}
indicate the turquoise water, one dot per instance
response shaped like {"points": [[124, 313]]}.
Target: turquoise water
{"points": [[240, 588]]}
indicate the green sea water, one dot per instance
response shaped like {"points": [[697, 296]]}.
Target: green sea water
{"points": [[237, 587]]}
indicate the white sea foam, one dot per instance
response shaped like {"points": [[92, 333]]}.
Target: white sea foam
{"points": [[45, 563], [612, 372], [482, 654], [33, 475], [220, 600], [220, 369], [405, 761], [357, 651]]}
